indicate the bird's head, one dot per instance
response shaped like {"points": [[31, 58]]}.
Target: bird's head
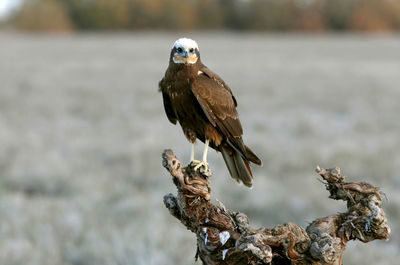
{"points": [[185, 51]]}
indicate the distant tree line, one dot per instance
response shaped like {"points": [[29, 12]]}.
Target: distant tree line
{"points": [[273, 15]]}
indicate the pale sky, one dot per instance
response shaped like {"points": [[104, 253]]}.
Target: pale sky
{"points": [[6, 6]]}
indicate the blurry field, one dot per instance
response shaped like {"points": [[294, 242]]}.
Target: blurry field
{"points": [[82, 129]]}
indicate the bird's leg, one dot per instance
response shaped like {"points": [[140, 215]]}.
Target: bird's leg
{"points": [[204, 161], [192, 154], [206, 150], [192, 160]]}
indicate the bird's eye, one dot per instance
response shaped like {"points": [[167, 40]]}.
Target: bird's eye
{"points": [[191, 50], [179, 49]]}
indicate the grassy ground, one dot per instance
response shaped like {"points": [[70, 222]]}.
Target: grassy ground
{"points": [[82, 129]]}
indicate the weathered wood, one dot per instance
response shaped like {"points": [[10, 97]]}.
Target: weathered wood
{"points": [[225, 237]]}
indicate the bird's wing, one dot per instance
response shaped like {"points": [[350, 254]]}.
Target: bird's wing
{"points": [[167, 103], [217, 79], [219, 105]]}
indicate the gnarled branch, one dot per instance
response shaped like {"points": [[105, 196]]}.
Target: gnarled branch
{"points": [[225, 237]]}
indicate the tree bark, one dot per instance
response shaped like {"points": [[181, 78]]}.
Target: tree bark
{"points": [[225, 237]]}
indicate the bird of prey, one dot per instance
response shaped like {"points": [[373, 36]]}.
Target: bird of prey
{"points": [[205, 107]]}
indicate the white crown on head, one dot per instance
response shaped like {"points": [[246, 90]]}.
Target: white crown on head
{"points": [[185, 43]]}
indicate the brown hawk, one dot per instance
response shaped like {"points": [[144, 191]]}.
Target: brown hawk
{"points": [[205, 107]]}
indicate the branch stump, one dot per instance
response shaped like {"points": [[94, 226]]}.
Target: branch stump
{"points": [[225, 237]]}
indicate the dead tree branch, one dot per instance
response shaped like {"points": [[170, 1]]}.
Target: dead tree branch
{"points": [[225, 237]]}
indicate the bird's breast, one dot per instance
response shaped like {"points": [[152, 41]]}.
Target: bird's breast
{"points": [[176, 95], [183, 101], [179, 89]]}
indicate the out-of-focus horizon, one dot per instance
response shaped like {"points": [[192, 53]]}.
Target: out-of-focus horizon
{"points": [[259, 15]]}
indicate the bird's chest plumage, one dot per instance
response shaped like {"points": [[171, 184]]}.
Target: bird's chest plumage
{"points": [[185, 103], [186, 107]]}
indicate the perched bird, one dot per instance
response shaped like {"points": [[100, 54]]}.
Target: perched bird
{"points": [[205, 108]]}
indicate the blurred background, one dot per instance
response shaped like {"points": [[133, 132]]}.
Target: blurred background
{"points": [[82, 125]]}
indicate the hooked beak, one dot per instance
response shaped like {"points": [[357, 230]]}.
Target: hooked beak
{"points": [[185, 54]]}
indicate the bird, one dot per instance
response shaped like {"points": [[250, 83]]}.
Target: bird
{"points": [[205, 107]]}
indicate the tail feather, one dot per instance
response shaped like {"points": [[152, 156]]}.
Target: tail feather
{"points": [[230, 164], [245, 174], [252, 157], [239, 168]]}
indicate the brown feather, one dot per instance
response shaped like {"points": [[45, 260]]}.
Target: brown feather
{"points": [[239, 168], [169, 109], [251, 156], [230, 164], [206, 109]]}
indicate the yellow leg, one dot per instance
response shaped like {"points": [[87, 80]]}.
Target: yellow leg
{"points": [[204, 161], [192, 154], [206, 150], [192, 160]]}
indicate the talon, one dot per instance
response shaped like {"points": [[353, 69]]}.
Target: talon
{"points": [[195, 162], [200, 164], [192, 163]]}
